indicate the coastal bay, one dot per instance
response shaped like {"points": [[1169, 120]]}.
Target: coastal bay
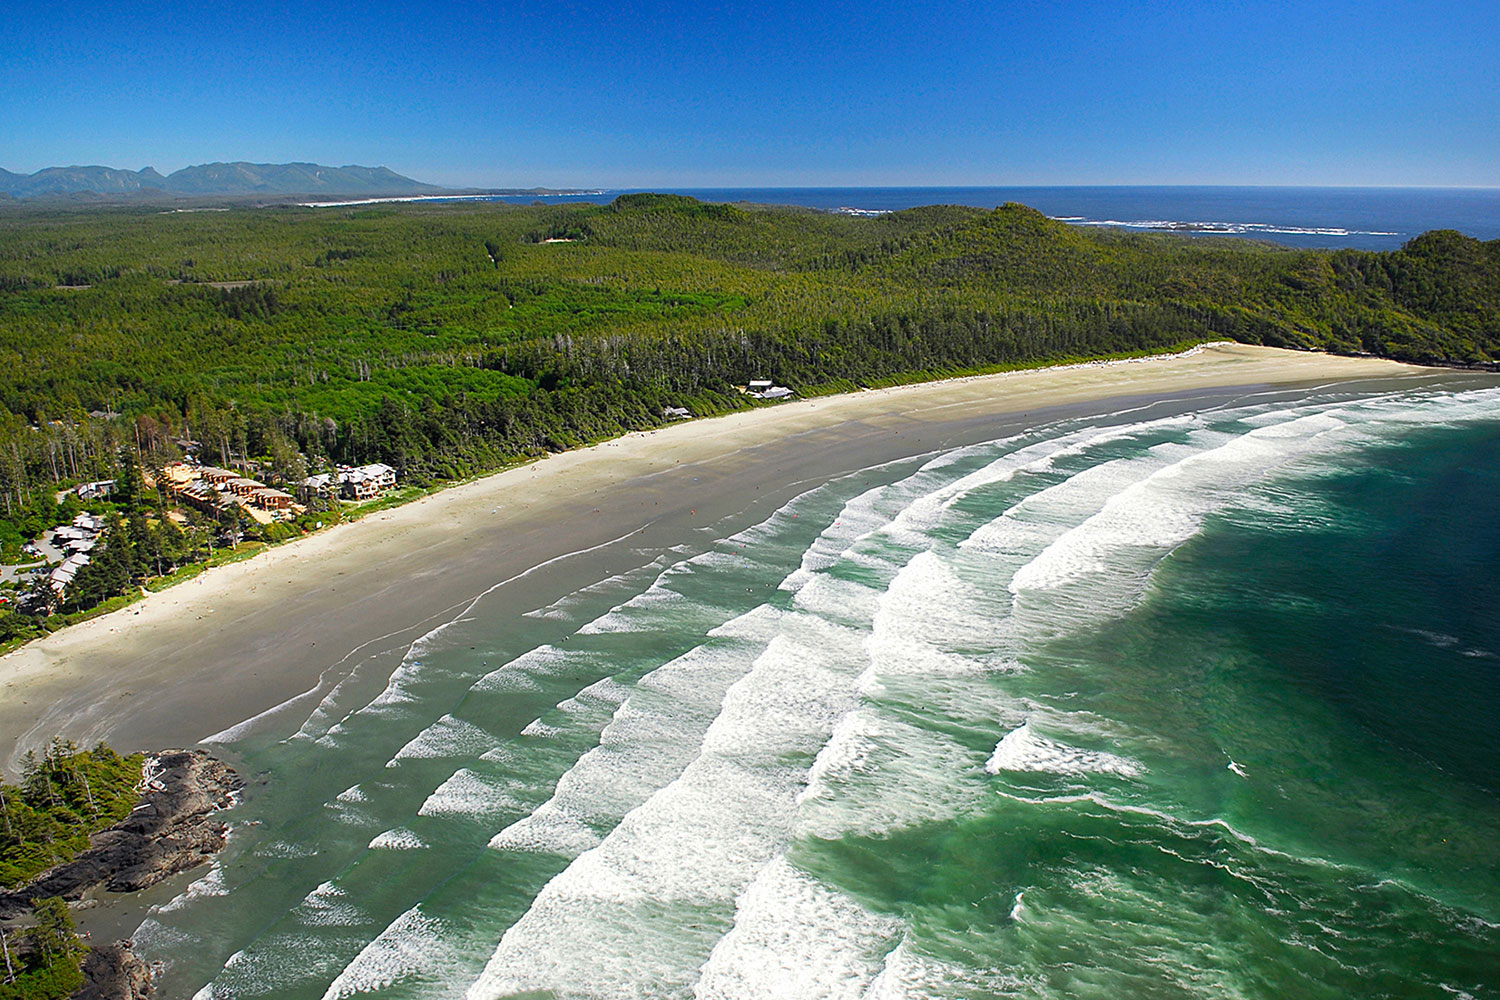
{"points": [[258, 644]]}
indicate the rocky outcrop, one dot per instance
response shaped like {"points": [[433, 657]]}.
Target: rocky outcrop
{"points": [[113, 972], [175, 827]]}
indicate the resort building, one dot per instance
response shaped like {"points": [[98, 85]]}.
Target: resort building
{"points": [[61, 576], [95, 490], [321, 485], [89, 522], [367, 480], [362, 483], [764, 388], [271, 499]]}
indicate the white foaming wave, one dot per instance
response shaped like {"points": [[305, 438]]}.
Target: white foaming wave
{"points": [[759, 624], [1231, 228], [925, 609], [348, 813], [878, 775], [397, 690], [285, 849], [847, 751], [562, 607], [604, 695], [866, 513], [735, 550], [329, 906], [837, 599], [548, 829], [399, 839], [692, 846], [536, 727], [1167, 507], [447, 737], [467, 793], [650, 738], [908, 975], [859, 517], [925, 602], [636, 614], [793, 936], [879, 508], [1036, 521], [413, 944], [211, 884], [1022, 749], [241, 729], [517, 674], [912, 524], [277, 965]]}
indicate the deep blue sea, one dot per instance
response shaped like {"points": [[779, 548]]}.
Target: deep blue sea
{"points": [[1196, 699], [1354, 218]]}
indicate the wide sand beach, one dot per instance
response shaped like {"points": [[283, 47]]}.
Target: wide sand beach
{"points": [[257, 644]]}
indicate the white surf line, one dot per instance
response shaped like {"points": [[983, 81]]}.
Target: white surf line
{"points": [[1167, 508], [244, 727], [466, 608], [794, 937], [642, 749], [692, 846], [603, 773]]}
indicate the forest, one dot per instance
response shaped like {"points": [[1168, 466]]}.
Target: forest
{"points": [[65, 795], [451, 339]]}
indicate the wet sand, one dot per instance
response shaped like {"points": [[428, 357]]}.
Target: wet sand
{"points": [[270, 636]]}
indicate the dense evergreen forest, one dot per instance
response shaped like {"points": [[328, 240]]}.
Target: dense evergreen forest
{"points": [[448, 339], [65, 795]]}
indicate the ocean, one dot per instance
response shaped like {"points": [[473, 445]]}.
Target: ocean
{"points": [[1197, 699], [1330, 218]]}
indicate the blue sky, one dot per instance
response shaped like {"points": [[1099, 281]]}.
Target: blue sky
{"points": [[774, 94]]}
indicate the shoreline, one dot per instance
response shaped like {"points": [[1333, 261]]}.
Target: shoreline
{"points": [[249, 640]]}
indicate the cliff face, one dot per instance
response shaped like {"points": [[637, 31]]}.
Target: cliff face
{"points": [[173, 829]]}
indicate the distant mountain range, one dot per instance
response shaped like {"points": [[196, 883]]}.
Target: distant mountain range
{"points": [[211, 180]]}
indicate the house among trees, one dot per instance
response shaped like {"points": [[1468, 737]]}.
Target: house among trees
{"points": [[320, 485], [361, 483], [97, 490], [62, 575], [764, 388], [366, 481]]}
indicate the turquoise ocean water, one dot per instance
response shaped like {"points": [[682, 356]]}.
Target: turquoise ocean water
{"points": [[1195, 700]]}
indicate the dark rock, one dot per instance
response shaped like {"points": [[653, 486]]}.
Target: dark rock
{"points": [[113, 972], [174, 828]]}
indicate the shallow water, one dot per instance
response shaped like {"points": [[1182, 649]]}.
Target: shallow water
{"points": [[1162, 704]]}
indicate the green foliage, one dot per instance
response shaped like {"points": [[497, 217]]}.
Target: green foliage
{"points": [[43, 960], [65, 795], [451, 339]]}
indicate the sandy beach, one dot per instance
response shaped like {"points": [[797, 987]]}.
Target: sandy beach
{"points": [[263, 639]]}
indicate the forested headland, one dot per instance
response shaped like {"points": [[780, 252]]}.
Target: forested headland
{"points": [[450, 339]]}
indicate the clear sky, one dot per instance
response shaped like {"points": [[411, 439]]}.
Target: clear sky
{"points": [[769, 94]]}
